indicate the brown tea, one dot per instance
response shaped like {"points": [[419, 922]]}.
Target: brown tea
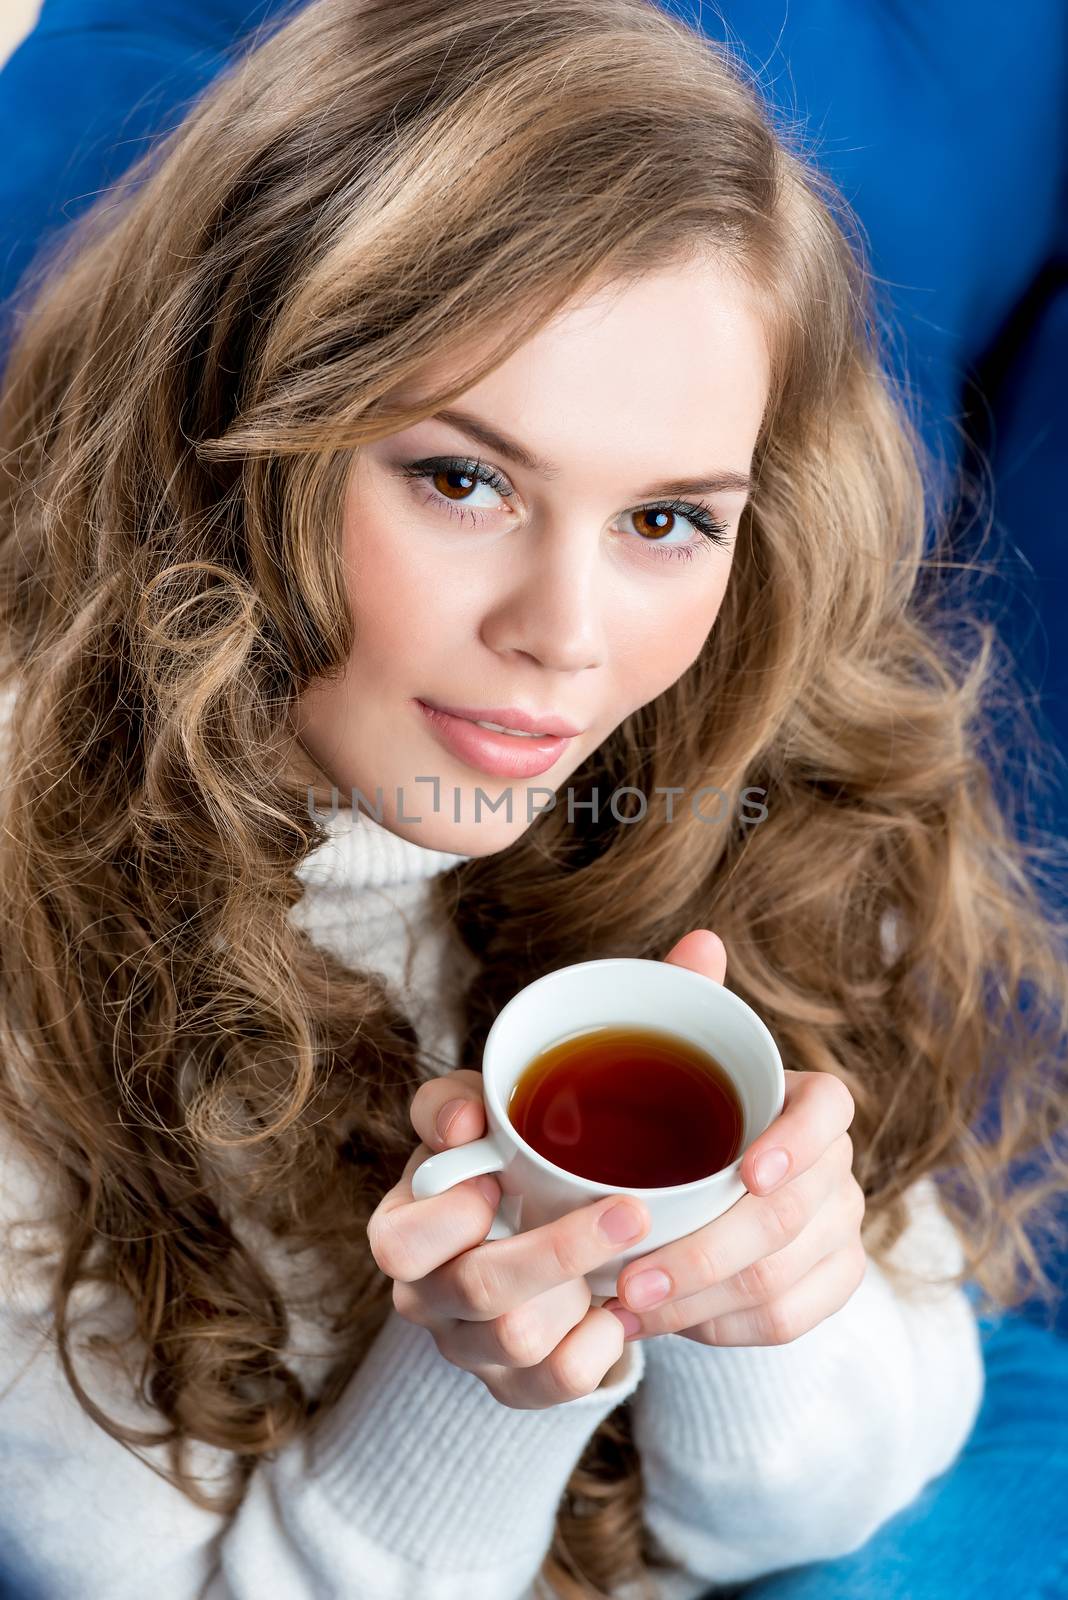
{"points": [[637, 1108]]}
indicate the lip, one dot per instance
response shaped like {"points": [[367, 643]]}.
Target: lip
{"points": [[504, 755], [511, 717]]}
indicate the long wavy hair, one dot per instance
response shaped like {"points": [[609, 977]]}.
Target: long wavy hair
{"points": [[195, 368]]}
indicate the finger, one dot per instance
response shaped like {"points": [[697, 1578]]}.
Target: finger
{"points": [[449, 1110], [575, 1368], [755, 1226], [504, 1273], [834, 1225], [702, 951], [411, 1238], [817, 1109], [817, 1296], [520, 1338]]}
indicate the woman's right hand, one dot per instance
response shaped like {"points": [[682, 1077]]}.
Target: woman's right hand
{"points": [[517, 1313]]}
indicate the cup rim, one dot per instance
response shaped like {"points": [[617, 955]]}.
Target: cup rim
{"points": [[687, 976]]}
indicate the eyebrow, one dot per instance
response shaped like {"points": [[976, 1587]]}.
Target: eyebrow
{"points": [[722, 482]]}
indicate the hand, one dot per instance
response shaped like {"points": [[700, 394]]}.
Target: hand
{"points": [[517, 1313], [785, 1256]]}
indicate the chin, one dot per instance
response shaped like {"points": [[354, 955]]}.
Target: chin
{"points": [[487, 837]]}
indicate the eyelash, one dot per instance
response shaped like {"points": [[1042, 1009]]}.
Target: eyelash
{"points": [[710, 527]]}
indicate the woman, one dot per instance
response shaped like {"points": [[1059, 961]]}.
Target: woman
{"points": [[431, 367]]}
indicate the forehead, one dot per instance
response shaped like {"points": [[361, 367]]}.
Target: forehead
{"points": [[655, 373]]}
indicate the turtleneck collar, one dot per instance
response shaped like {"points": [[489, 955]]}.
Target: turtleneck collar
{"points": [[362, 853]]}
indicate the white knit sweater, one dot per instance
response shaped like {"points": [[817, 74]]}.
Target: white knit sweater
{"points": [[419, 1485]]}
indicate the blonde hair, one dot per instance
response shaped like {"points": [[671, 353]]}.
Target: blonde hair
{"points": [[196, 367]]}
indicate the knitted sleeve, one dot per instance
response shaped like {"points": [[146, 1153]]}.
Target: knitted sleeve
{"points": [[418, 1485], [764, 1457]]}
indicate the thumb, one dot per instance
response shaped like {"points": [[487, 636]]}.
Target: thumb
{"points": [[703, 951], [450, 1109]]}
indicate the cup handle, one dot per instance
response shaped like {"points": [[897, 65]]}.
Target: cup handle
{"points": [[450, 1167]]}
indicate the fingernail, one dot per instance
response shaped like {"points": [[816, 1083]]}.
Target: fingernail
{"points": [[771, 1167], [648, 1289], [447, 1115], [490, 1188], [621, 1222], [631, 1323]]}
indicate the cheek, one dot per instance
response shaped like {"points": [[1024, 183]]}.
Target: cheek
{"points": [[662, 641], [396, 604]]}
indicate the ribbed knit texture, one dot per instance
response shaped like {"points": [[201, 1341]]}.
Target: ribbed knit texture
{"points": [[361, 853], [368, 899], [418, 1485]]}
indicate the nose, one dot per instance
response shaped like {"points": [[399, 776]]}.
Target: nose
{"points": [[550, 610]]}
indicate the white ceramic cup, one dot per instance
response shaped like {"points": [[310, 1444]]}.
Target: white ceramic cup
{"points": [[617, 992]]}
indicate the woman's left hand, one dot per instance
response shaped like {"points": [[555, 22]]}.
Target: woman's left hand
{"points": [[788, 1254]]}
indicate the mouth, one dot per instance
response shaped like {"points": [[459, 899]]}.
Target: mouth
{"points": [[496, 749], [512, 719]]}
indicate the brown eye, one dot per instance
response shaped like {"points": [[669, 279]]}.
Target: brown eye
{"points": [[654, 515], [453, 483], [655, 524]]}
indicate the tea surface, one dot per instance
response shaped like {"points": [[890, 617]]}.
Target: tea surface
{"points": [[637, 1108]]}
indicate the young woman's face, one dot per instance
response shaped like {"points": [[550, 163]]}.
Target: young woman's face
{"points": [[519, 555]]}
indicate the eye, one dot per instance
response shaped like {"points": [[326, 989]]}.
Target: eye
{"points": [[653, 518], [453, 478]]}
